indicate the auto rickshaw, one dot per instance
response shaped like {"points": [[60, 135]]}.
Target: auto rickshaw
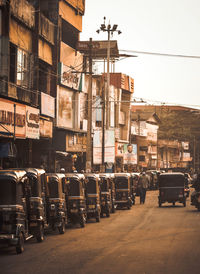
{"points": [[123, 190], [56, 204], [172, 188], [110, 178], [37, 202], [106, 203], [76, 200], [93, 196], [132, 184], [153, 179], [14, 223]]}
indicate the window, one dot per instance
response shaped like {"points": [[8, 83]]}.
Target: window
{"points": [[23, 65], [141, 158], [13, 63], [44, 77], [70, 34]]}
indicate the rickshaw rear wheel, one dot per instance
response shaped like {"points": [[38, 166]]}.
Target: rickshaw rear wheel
{"points": [[20, 244], [98, 218], [61, 229], [82, 221], [40, 236]]}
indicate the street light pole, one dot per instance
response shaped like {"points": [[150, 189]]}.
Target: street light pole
{"points": [[89, 127], [110, 30]]}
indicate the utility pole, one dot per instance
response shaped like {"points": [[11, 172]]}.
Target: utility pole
{"points": [[106, 93], [89, 125]]}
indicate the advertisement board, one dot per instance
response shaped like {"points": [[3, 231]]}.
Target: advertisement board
{"points": [[32, 123], [130, 154], [8, 126], [109, 149], [70, 78], [47, 105], [46, 128], [64, 107]]}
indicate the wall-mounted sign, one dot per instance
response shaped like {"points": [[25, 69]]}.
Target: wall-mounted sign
{"points": [[130, 154], [70, 78], [32, 123], [8, 110], [109, 149], [46, 128], [76, 142], [47, 105], [64, 107]]}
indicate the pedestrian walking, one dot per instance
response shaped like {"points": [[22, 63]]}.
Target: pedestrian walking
{"points": [[143, 184]]}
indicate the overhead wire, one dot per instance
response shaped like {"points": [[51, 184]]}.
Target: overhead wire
{"points": [[162, 54]]}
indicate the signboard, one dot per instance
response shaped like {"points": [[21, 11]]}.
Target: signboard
{"points": [[151, 132], [186, 157], [64, 107], [139, 128], [99, 48], [7, 119], [32, 123], [130, 154], [70, 79], [47, 105], [76, 142], [109, 150], [46, 128], [185, 145], [109, 154], [97, 147]]}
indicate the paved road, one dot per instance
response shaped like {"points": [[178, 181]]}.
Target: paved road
{"points": [[145, 239]]}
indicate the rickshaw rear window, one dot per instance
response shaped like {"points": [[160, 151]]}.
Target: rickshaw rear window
{"points": [[104, 185], [171, 181], [10, 192], [74, 188], [53, 189], [91, 186], [121, 183], [35, 187]]}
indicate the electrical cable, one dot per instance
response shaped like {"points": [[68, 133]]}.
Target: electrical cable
{"points": [[162, 54]]}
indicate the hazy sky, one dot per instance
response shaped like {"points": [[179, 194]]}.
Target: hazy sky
{"points": [[160, 26]]}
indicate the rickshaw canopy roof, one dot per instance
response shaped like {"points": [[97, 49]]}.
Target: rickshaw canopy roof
{"points": [[77, 176], [16, 175], [126, 175], [55, 175], [175, 178]]}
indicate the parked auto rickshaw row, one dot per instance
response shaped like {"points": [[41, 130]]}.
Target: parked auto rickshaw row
{"points": [[33, 202]]}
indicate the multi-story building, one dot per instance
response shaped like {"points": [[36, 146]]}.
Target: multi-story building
{"points": [[171, 153], [144, 128], [39, 107]]}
